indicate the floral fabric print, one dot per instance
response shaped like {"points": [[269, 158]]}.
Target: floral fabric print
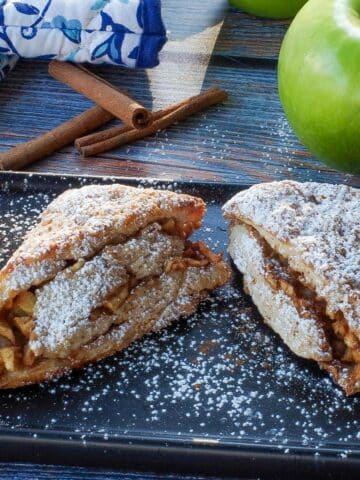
{"points": [[121, 32]]}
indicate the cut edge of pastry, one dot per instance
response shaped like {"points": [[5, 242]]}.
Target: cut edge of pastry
{"points": [[276, 294], [311, 231], [315, 227], [118, 337], [67, 312], [292, 309]]}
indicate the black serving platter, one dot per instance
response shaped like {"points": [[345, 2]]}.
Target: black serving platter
{"points": [[215, 394]]}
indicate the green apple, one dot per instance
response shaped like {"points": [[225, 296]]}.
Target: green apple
{"points": [[270, 8], [319, 80]]}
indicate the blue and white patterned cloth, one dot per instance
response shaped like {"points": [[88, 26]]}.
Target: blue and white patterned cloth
{"points": [[121, 32]]}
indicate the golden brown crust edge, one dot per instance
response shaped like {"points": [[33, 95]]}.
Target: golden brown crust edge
{"points": [[80, 222], [109, 344], [347, 376]]}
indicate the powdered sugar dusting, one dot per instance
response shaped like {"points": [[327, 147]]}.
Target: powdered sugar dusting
{"points": [[80, 222], [24, 276], [303, 334], [316, 225], [222, 374], [63, 306]]}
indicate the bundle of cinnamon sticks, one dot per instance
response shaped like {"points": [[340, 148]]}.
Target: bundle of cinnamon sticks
{"points": [[138, 122]]}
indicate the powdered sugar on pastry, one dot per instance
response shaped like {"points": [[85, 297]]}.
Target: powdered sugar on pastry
{"points": [[304, 334], [81, 222], [146, 254], [63, 306], [310, 233], [317, 228], [23, 276], [121, 267]]}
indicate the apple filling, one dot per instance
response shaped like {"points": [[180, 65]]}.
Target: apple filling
{"points": [[345, 345], [90, 296]]}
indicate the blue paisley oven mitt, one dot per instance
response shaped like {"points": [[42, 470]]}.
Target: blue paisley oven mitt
{"points": [[120, 32]]}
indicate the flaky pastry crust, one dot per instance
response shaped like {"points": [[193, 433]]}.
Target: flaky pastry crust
{"points": [[80, 222], [104, 266], [313, 231]]}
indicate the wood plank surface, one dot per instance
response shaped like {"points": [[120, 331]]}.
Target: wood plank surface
{"points": [[246, 36], [247, 140], [241, 35], [42, 472]]}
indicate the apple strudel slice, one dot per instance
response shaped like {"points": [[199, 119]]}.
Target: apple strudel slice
{"points": [[298, 247], [105, 266]]}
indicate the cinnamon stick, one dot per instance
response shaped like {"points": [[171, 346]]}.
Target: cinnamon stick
{"points": [[101, 92], [184, 110], [120, 129], [38, 148]]}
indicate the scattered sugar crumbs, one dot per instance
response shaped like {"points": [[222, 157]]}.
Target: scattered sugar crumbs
{"points": [[221, 374]]}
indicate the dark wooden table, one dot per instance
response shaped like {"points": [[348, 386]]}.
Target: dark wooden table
{"points": [[247, 140], [42, 472]]}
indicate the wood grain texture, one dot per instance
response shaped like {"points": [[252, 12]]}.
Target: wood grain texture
{"points": [[246, 36], [247, 140], [241, 35], [46, 472]]}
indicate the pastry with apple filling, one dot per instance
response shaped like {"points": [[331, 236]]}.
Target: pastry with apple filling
{"points": [[298, 247], [105, 266]]}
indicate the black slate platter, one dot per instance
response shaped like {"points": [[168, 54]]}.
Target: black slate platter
{"points": [[215, 394]]}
